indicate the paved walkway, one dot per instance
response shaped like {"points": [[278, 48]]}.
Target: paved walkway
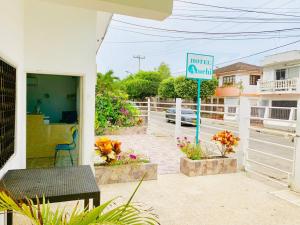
{"points": [[228, 199], [161, 150]]}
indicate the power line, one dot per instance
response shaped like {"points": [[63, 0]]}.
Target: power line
{"points": [[225, 37], [232, 21], [258, 53], [208, 33], [238, 9], [253, 54]]}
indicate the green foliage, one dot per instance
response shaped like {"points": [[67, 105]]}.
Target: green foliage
{"points": [[187, 89], [166, 88], [208, 88], [143, 84], [107, 82], [164, 70], [113, 110], [192, 151], [112, 107], [107, 213], [184, 88]]}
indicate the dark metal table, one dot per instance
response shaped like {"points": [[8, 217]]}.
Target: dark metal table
{"points": [[56, 184]]}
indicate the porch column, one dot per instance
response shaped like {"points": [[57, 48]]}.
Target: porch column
{"points": [[244, 125], [295, 181]]}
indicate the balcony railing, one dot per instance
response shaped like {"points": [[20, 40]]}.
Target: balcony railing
{"points": [[288, 85]]}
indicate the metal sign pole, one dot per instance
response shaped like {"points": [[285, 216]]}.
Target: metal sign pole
{"points": [[198, 111]]}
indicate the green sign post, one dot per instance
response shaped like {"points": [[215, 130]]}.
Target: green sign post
{"points": [[199, 67]]}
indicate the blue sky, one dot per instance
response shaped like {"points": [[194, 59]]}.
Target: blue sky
{"points": [[123, 41]]}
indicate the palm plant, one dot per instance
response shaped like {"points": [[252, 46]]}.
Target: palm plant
{"points": [[106, 82], [104, 214]]}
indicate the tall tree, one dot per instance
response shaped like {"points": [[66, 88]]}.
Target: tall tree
{"points": [[166, 88], [164, 70], [187, 89], [106, 82]]}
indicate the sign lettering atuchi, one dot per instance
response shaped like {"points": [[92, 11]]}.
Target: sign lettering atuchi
{"points": [[199, 66]]}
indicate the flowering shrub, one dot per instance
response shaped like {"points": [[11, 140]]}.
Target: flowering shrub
{"points": [[130, 157], [113, 111], [227, 140], [110, 153], [107, 149], [192, 151]]}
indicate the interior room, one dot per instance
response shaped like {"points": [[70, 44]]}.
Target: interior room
{"points": [[53, 112]]}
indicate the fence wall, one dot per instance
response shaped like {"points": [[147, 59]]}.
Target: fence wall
{"points": [[269, 146]]}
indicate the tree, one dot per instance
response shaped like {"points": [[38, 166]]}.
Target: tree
{"points": [[187, 89], [166, 88], [142, 84], [106, 82], [184, 88], [208, 88], [164, 70], [140, 89]]}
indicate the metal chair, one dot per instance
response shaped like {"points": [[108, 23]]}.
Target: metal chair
{"points": [[69, 146]]}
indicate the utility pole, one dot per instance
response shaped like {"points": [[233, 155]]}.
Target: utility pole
{"points": [[139, 57]]}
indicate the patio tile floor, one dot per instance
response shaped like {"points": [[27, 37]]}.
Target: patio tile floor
{"points": [[230, 199]]}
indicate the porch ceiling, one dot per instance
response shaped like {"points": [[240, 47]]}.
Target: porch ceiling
{"points": [[150, 9]]}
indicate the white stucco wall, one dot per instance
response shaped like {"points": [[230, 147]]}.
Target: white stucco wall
{"points": [[245, 79], [12, 51], [61, 40]]}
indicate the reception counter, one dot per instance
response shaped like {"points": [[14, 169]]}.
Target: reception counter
{"points": [[42, 138]]}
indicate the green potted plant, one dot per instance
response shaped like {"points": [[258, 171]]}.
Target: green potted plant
{"points": [[199, 162], [115, 166]]}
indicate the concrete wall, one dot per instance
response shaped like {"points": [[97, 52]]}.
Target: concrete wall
{"points": [[71, 33], [12, 51], [293, 71], [245, 80]]}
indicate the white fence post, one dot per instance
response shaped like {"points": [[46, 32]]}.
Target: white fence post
{"points": [[295, 182], [178, 118], [148, 110], [244, 125]]}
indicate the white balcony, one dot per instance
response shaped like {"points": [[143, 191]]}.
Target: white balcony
{"points": [[279, 86]]}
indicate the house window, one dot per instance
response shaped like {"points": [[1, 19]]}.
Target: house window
{"points": [[281, 74], [254, 79], [228, 80], [7, 111]]}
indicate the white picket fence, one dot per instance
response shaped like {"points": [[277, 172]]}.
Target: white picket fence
{"points": [[267, 148]]}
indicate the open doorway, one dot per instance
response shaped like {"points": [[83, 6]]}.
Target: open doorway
{"points": [[53, 120]]}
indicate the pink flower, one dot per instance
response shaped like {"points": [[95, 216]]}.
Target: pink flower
{"points": [[132, 156]]}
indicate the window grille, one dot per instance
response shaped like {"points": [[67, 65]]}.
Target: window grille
{"points": [[7, 111]]}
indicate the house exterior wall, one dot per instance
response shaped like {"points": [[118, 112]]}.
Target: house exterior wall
{"points": [[71, 33], [12, 51], [244, 79]]}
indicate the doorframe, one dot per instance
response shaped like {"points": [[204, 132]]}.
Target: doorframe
{"points": [[81, 103]]}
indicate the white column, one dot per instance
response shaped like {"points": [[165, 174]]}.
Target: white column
{"points": [[178, 118], [148, 111], [244, 133], [295, 181]]}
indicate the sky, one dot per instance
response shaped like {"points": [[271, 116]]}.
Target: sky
{"points": [[124, 39]]}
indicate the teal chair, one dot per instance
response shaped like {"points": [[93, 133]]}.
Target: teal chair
{"points": [[69, 146]]}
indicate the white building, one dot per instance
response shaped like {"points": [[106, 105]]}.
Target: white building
{"points": [[48, 71], [279, 88], [235, 80]]}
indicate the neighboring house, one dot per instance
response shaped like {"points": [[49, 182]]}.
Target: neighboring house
{"points": [[48, 72], [235, 80], [279, 88]]}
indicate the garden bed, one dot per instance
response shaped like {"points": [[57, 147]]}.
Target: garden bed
{"points": [[125, 173], [211, 166], [126, 130]]}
